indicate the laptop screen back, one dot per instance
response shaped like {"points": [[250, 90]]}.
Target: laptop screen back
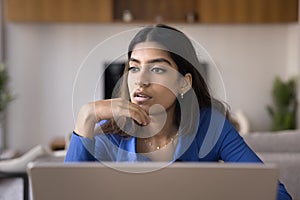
{"points": [[208, 181]]}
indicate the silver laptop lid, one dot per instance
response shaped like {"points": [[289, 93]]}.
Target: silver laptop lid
{"points": [[149, 181]]}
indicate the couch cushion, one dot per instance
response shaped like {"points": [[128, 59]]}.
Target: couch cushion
{"points": [[281, 141]]}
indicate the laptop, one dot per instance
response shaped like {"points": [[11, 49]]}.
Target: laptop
{"points": [[153, 181]]}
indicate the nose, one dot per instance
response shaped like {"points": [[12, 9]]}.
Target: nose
{"points": [[141, 84], [142, 80]]}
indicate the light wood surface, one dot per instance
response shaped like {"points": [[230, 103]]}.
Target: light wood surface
{"points": [[164, 11]]}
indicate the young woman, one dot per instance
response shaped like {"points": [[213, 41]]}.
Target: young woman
{"points": [[163, 111]]}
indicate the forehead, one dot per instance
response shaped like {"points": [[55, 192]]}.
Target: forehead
{"points": [[147, 44], [149, 50]]}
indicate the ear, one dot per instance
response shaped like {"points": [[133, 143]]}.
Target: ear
{"points": [[186, 83]]}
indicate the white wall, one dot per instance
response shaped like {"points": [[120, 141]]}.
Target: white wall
{"points": [[1, 31], [44, 59], [1, 60], [298, 44], [248, 57]]}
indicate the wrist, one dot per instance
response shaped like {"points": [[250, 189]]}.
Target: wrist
{"points": [[86, 121]]}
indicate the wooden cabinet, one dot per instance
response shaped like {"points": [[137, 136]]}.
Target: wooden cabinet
{"points": [[154, 11], [247, 11], [209, 11], [59, 10]]}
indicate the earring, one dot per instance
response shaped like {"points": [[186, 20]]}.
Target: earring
{"points": [[181, 94]]}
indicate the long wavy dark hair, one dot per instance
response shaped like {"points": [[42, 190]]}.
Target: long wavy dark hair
{"points": [[181, 50]]}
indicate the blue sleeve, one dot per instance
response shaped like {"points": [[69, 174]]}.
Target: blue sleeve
{"points": [[232, 147], [282, 193], [77, 151], [220, 141]]}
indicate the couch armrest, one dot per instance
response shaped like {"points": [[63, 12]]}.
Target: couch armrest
{"points": [[282, 141]]}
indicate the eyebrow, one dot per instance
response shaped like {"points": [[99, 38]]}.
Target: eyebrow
{"points": [[157, 60]]}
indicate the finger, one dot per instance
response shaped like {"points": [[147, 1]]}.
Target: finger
{"points": [[145, 115], [138, 114], [122, 107]]}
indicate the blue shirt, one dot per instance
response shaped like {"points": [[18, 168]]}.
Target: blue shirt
{"points": [[213, 139]]}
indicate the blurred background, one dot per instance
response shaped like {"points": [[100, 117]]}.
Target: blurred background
{"points": [[44, 43]]}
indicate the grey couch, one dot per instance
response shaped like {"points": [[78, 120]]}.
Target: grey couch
{"points": [[283, 149]]}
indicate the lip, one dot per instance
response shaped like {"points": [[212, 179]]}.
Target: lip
{"points": [[141, 97]]}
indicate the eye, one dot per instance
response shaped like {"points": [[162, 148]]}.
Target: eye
{"points": [[158, 70], [133, 69]]}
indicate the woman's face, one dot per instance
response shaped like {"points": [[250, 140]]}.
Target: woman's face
{"points": [[152, 77]]}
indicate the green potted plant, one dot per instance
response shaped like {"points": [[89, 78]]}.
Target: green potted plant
{"points": [[284, 109], [5, 98]]}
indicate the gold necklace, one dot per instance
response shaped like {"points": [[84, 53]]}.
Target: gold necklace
{"points": [[172, 139]]}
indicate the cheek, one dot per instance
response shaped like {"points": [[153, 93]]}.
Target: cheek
{"points": [[164, 94], [130, 83], [170, 83], [166, 99], [170, 87]]}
